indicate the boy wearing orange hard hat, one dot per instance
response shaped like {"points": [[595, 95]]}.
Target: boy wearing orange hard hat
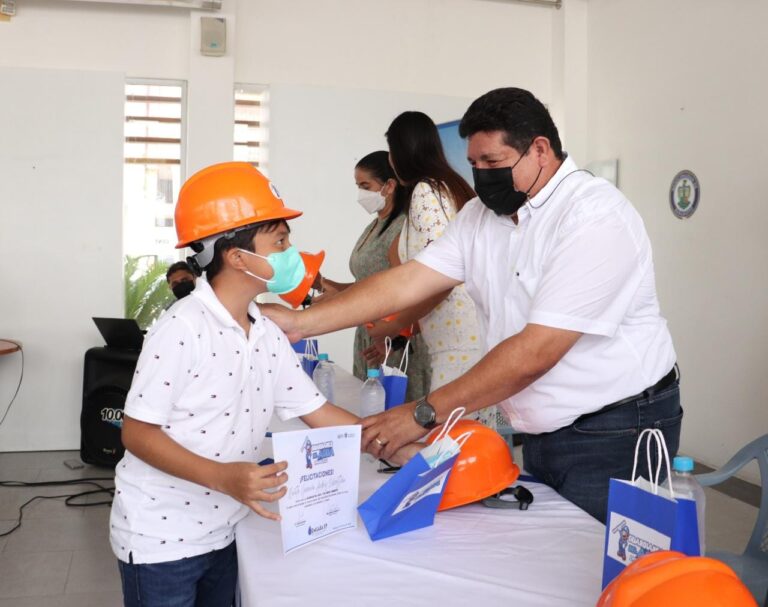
{"points": [[211, 373]]}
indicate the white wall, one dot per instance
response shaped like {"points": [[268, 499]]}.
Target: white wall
{"points": [[60, 257], [447, 47], [679, 85], [365, 52]]}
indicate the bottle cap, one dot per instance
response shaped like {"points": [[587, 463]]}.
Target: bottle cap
{"points": [[322, 356], [682, 464], [373, 372]]}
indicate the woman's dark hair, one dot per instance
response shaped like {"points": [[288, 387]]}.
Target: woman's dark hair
{"points": [[377, 164], [417, 155], [241, 239], [516, 113]]}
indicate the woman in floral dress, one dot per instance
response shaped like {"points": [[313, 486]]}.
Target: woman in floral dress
{"points": [[449, 324]]}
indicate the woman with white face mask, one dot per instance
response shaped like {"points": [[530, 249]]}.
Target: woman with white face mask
{"points": [[380, 194]]}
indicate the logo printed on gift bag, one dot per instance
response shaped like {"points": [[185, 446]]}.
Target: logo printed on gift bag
{"points": [[629, 540], [436, 486]]}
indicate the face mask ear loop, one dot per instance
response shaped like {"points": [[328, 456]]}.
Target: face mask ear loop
{"points": [[528, 193], [264, 280], [463, 439]]}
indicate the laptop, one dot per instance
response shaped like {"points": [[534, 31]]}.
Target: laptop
{"points": [[123, 333]]}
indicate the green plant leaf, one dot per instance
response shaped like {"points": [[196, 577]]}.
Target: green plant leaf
{"points": [[146, 291]]}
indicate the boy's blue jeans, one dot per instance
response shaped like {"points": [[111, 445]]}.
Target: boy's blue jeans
{"points": [[206, 580], [578, 460]]}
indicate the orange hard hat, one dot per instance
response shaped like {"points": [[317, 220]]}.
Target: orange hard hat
{"points": [[672, 579], [224, 197], [483, 468], [312, 265]]}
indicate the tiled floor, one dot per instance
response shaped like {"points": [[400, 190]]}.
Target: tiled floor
{"points": [[60, 557]]}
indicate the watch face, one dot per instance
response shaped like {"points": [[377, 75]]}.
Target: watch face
{"points": [[424, 413]]}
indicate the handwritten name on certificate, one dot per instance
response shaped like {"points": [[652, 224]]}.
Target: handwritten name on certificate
{"points": [[323, 475]]}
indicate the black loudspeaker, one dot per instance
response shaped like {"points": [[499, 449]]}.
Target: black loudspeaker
{"points": [[107, 377]]}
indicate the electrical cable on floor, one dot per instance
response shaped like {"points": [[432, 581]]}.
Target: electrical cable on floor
{"points": [[70, 497], [18, 386]]}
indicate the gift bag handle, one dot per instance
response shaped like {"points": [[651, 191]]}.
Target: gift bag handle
{"points": [[453, 418], [404, 360], [387, 349], [309, 348], [661, 454]]}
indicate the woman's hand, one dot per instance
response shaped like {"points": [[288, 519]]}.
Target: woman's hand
{"points": [[380, 329], [247, 483], [374, 354]]}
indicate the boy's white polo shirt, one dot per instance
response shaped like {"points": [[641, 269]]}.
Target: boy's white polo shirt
{"points": [[213, 391], [579, 259]]}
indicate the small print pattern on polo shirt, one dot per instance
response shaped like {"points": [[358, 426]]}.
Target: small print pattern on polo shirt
{"points": [[212, 391]]}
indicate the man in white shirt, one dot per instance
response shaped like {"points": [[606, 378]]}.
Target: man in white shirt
{"points": [[560, 268]]}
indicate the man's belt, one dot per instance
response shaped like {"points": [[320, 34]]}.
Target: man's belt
{"points": [[660, 385]]}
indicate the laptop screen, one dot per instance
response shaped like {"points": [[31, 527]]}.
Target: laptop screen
{"points": [[123, 333]]}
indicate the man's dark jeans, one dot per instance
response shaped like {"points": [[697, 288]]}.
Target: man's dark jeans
{"points": [[578, 460]]}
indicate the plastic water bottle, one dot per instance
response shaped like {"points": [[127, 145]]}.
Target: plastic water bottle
{"points": [[686, 486], [323, 376], [372, 395]]}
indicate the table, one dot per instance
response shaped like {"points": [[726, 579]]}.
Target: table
{"points": [[549, 555]]}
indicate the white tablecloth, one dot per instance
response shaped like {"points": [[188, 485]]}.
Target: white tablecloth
{"points": [[549, 555]]}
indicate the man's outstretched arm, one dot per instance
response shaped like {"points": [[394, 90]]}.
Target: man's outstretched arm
{"points": [[375, 297]]}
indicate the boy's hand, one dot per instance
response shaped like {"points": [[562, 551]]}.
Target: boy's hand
{"points": [[247, 483]]}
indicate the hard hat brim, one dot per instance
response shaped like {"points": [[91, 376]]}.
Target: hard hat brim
{"points": [[284, 213]]}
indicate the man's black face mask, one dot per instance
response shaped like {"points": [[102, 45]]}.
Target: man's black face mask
{"points": [[496, 188], [183, 288]]}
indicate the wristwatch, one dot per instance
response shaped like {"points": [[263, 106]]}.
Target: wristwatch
{"points": [[424, 414]]}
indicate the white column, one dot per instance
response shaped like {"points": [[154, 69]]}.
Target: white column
{"points": [[569, 77]]}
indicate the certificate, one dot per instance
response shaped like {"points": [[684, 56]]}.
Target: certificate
{"points": [[323, 474]]}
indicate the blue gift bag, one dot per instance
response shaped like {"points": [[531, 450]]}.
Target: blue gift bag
{"points": [[394, 379], [409, 500], [395, 387], [644, 517], [301, 346], [307, 355]]}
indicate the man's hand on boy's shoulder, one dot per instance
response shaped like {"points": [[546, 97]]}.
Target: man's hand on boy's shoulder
{"points": [[286, 319], [248, 484]]}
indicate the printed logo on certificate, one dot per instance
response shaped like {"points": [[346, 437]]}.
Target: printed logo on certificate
{"points": [[323, 477]]}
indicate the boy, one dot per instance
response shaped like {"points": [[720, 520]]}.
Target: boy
{"points": [[211, 373]]}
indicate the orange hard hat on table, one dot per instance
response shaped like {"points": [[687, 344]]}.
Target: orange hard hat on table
{"points": [[483, 468], [312, 265], [224, 197], [672, 579]]}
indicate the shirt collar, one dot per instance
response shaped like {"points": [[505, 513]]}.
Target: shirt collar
{"points": [[205, 294], [537, 201]]}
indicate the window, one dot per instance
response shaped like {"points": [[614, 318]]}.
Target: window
{"points": [[251, 125], [152, 176]]}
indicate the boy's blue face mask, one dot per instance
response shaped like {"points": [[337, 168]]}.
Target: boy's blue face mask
{"points": [[288, 270]]}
